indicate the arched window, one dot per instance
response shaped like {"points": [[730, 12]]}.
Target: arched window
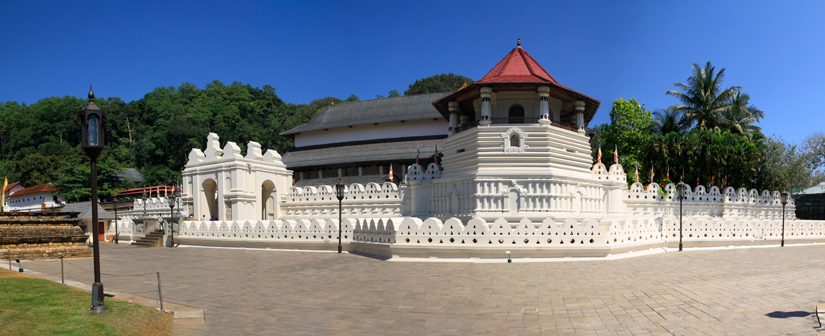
{"points": [[513, 140], [516, 114]]}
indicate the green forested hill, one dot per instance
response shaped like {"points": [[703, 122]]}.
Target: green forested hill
{"points": [[39, 142]]}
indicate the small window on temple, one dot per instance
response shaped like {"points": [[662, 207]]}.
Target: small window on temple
{"points": [[516, 114], [514, 140]]}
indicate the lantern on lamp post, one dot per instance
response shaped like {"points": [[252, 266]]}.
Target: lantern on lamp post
{"points": [[92, 136], [783, 197], [339, 193]]}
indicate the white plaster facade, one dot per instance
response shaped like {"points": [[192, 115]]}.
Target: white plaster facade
{"points": [[516, 173]]}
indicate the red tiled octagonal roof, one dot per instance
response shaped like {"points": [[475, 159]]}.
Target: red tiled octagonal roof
{"points": [[518, 67]]}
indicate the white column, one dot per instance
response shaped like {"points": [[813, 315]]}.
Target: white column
{"points": [[580, 115], [486, 107], [453, 122], [544, 105]]}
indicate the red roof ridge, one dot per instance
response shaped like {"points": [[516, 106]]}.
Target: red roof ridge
{"points": [[33, 190]]}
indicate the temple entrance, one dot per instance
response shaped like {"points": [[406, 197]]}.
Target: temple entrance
{"points": [[516, 114], [210, 189], [268, 200]]}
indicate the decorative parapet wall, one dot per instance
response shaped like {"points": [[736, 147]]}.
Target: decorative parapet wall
{"points": [[386, 237], [370, 200], [742, 203]]}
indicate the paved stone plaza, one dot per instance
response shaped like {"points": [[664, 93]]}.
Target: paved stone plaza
{"points": [[757, 291]]}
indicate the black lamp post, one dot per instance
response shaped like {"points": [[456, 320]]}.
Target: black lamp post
{"points": [[783, 197], [172, 199], [681, 190], [91, 122], [117, 232], [339, 192]]}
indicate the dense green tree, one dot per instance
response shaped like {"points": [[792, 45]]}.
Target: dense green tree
{"points": [[439, 83], [630, 131], [740, 116], [702, 100]]}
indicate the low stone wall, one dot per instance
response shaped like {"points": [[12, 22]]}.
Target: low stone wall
{"points": [[41, 235], [386, 238]]}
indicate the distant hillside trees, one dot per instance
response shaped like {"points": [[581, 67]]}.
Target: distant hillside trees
{"points": [[439, 83]]}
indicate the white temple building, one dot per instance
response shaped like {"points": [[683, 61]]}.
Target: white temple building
{"points": [[515, 174]]}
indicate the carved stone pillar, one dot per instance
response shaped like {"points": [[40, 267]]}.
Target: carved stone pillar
{"points": [[453, 107], [580, 115], [486, 107], [544, 105]]}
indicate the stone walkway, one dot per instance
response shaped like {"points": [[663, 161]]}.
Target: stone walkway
{"points": [[764, 291]]}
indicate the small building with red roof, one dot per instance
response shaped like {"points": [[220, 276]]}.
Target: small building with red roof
{"points": [[36, 198]]}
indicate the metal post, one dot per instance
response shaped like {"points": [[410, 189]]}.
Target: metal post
{"points": [[782, 244], [172, 225], [681, 197], [160, 294], [340, 224], [117, 232], [62, 280], [97, 287]]}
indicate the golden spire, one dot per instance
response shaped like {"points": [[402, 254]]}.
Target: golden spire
{"points": [[91, 93], [518, 42]]}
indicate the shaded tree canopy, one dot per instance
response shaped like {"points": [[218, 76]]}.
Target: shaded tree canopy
{"points": [[439, 83]]}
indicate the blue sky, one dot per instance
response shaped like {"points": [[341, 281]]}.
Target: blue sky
{"points": [[307, 49]]}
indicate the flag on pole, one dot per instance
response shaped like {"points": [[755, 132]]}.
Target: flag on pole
{"points": [[599, 155], [616, 155], [3, 197], [390, 175]]}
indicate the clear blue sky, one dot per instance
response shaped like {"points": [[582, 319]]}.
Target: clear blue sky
{"points": [[306, 50]]}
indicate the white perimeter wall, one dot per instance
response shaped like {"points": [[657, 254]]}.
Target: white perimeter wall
{"points": [[413, 128]]}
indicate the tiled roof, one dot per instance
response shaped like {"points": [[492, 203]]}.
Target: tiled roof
{"points": [[518, 67], [85, 210], [11, 186], [417, 107], [33, 190], [377, 152]]}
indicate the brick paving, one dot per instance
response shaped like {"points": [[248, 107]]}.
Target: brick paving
{"points": [[764, 291]]}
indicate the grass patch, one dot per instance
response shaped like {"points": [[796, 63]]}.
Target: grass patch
{"points": [[31, 306]]}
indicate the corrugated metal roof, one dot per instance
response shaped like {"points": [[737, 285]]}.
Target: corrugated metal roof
{"points": [[417, 107], [817, 189]]}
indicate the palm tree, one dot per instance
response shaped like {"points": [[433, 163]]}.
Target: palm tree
{"points": [[740, 115], [702, 100], [669, 120]]}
